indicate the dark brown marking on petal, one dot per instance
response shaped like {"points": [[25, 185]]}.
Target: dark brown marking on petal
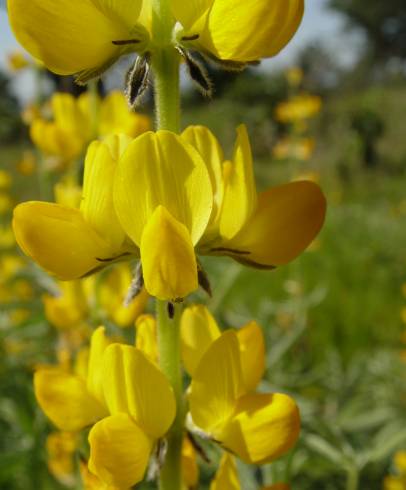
{"points": [[193, 37], [125, 42]]}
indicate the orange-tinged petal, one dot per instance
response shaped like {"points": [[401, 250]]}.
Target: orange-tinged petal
{"points": [[227, 475], [285, 222], [252, 351], [59, 239], [162, 169], [119, 451], [263, 427], [217, 384], [133, 384], [198, 331], [65, 400], [168, 258]]}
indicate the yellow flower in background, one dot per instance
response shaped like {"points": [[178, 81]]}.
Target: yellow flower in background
{"points": [[5, 179], [6, 203], [68, 193], [17, 61], [294, 76], [257, 427], [27, 164], [61, 447], [7, 239], [397, 482], [111, 292], [298, 108], [69, 309], [86, 37], [71, 243], [209, 205], [299, 149], [124, 394], [73, 125]]}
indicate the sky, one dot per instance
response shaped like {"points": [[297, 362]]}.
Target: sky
{"points": [[319, 25]]}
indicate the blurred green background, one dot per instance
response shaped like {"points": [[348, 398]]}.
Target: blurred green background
{"points": [[332, 318]]}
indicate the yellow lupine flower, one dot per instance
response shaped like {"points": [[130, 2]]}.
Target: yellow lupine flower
{"points": [[27, 164], [400, 462], [5, 179], [17, 61], [117, 396], [190, 468], [146, 336], [208, 204], [257, 427], [86, 37], [394, 483], [72, 243], [298, 108]]}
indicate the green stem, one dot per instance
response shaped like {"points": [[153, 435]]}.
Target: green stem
{"points": [[352, 479], [170, 363]]}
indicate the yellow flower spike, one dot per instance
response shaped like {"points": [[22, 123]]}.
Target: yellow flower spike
{"points": [[190, 468], [298, 108], [68, 114], [286, 221], [115, 117], [146, 336], [217, 384], [239, 31], [98, 344], [240, 195], [170, 269], [68, 309], [263, 427], [65, 400], [198, 331], [227, 475], [128, 378], [76, 36], [252, 352], [119, 451], [257, 427]]}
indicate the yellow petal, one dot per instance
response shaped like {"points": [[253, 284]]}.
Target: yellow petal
{"points": [[227, 475], [59, 239], [217, 384], [188, 13], [263, 428], [286, 221], [73, 35], [240, 195], [162, 169], [146, 339], [134, 385], [119, 451], [198, 331], [168, 258], [252, 351], [210, 150], [65, 400], [97, 202], [190, 468], [116, 117], [249, 31], [98, 344]]}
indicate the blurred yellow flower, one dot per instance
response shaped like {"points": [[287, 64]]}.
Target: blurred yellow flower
{"points": [[85, 37], [7, 239], [68, 193], [17, 61], [190, 468], [61, 447], [294, 76], [27, 164], [299, 149], [5, 179], [298, 108], [6, 203], [257, 427]]}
